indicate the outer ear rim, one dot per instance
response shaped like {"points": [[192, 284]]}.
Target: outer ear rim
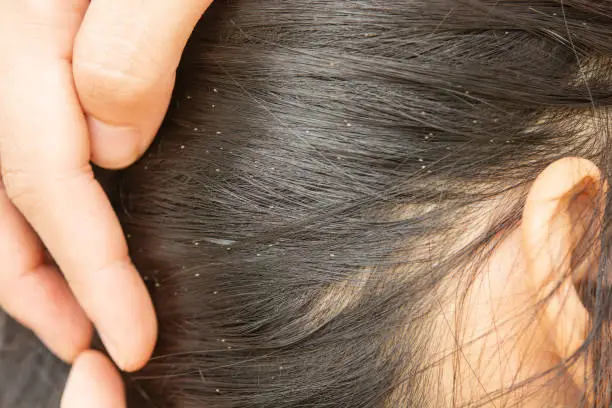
{"points": [[548, 198], [549, 267]]}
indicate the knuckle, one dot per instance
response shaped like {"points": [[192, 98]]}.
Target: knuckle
{"points": [[22, 190], [29, 190], [123, 76], [104, 82]]}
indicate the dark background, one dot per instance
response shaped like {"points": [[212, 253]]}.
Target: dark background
{"points": [[30, 377]]}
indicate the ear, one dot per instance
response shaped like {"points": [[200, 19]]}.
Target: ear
{"points": [[564, 208]]}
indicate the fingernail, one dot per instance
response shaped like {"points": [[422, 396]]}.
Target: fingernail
{"points": [[114, 146]]}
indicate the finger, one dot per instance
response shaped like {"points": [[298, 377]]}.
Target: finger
{"points": [[125, 58], [93, 383], [35, 294], [45, 162]]}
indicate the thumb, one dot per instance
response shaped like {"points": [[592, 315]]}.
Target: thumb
{"points": [[124, 62], [94, 383]]}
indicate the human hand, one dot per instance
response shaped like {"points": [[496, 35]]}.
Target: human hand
{"points": [[93, 383], [125, 58], [67, 67]]}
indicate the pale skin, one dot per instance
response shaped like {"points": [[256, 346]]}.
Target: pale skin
{"points": [[88, 82], [502, 340], [81, 82]]}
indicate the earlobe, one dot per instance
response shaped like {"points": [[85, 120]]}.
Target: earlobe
{"points": [[563, 205]]}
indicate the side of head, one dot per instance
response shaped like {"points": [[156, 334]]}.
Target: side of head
{"points": [[352, 204]]}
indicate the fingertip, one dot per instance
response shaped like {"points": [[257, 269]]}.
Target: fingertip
{"points": [[42, 301], [34, 292], [116, 147], [135, 351], [120, 131], [131, 337], [79, 342], [94, 383], [75, 333]]}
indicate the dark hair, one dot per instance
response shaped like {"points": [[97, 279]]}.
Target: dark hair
{"points": [[297, 218]]}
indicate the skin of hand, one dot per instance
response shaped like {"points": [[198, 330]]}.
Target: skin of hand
{"points": [[81, 82], [94, 383]]}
